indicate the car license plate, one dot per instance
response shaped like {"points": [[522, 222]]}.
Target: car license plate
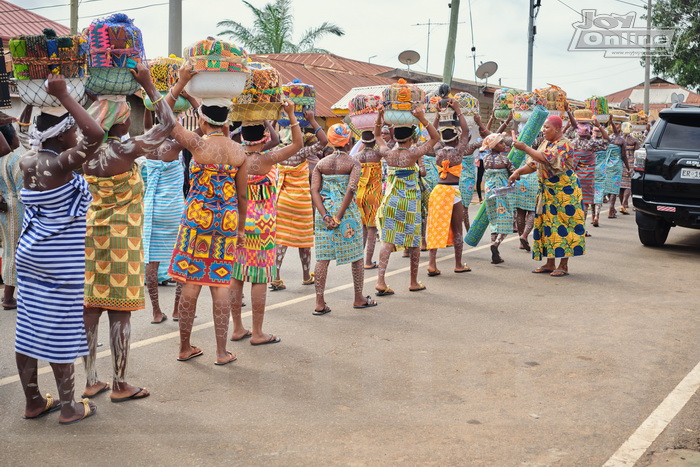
{"points": [[693, 174]]}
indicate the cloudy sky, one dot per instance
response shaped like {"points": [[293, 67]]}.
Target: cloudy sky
{"points": [[384, 28]]}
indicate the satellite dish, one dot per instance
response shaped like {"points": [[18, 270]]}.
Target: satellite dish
{"points": [[626, 103], [409, 57], [677, 98], [486, 69]]}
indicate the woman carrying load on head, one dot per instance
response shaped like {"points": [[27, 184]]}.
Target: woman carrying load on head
{"points": [[294, 208], [213, 222], [631, 145], [114, 264], [559, 225], [616, 165], [51, 255]]}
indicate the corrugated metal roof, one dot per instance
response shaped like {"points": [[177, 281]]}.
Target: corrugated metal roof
{"points": [[331, 75], [660, 92], [15, 21], [341, 106]]}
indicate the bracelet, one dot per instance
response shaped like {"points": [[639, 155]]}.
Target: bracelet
{"points": [[316, 131], [23, 124], [170, 91], [158, 100], [326, 215], [378, 125], [336, 220], [294, 124]]}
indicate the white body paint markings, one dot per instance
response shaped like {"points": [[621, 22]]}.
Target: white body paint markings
{"points": [[176, 335], [636, 445]]}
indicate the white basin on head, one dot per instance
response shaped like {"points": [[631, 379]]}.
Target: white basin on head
{"points": [[33, 91], [208, 84]]}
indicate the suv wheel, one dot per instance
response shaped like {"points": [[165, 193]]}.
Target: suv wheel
{"points": [[652, 230]]}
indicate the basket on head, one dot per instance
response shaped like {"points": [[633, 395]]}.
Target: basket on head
{"points": [[619, 115], [639, 118], [35, 57], [363, 110], [222, 69], [503, 101], [399, 100], [583, 115], [524, 103], [555, 99], [164, 76], [261, 98], [304, 98], [115, 47], [599, 106], [467, 103]]}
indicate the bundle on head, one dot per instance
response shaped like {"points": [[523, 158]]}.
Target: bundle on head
{"points": [[35, 56]]}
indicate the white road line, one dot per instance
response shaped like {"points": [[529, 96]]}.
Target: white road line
{"points": [[637, 444], [176, 334]]}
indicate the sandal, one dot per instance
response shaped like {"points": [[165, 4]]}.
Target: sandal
{"points": [[89, 411], [465, 268], [524, 244], [373, 266], [420, 287], [277, 285], [386, 291], [311, 281], [326, 309], [624, 211], [368, 303], [434, 273]]}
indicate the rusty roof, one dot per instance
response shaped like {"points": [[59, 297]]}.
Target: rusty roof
{"points": [[15, 21], [660, 92], [331, 75]]}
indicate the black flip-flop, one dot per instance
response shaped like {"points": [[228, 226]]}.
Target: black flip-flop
{"points": [[367, 303], [525, 244], [326, 309], [374, 266], [227, 361], [245, 336], [272, 340], [165, 318], [102, 389], [133, 397], [194, 355]]}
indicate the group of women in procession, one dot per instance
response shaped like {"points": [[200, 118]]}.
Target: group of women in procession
{"points": [[93, 233]]}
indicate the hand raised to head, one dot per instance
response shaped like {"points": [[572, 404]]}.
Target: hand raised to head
{"points": [[56, 85]]}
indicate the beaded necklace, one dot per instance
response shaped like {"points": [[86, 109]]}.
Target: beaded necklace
{"points": [[49, 151]]}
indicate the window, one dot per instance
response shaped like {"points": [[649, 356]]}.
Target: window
{"points": [[681, 132]]}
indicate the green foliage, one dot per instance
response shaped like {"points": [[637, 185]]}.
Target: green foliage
{"points": [[683, 67], [272, 31]]}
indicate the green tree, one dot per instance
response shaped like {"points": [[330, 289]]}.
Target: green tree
{"points": [[272, 31], [683, 67]]}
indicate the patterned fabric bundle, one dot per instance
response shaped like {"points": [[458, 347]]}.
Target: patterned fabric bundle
{"points": [[11, 182], [598, 105], [344, 243], [35, 57], [294, 207], [255, 259], [164, 71], [114, 41], [559, 230], [399, 215], [402, 96], [163, 207], [613, 170], [369, 192], [215, 55], [503, 101], [467, 103], [438, 233], [5, 100], [113, 244], [303, 95], [640, 118], [206, 242], [499, 208], [555, 98], [51, 273], [262, 96]]}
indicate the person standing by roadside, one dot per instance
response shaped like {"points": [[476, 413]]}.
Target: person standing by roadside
{"points": [[11, 212]]}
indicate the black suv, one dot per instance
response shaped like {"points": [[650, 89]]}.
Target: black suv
{"points": [[666, 180]]}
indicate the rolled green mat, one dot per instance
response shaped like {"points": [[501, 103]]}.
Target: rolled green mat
{"points": [[528, 135]]}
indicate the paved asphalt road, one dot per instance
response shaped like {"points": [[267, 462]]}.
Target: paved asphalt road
{"points": [[496, 367]]}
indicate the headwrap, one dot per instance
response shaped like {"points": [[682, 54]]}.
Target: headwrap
{"points": [[492, 140], [38, 137], [369, 141], [211, 121], [109, 111], [583, 130], [626, 128], [449, 140], [339, 135], [555, 121]]}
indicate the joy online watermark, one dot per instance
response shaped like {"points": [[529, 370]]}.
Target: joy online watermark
{"points": [[617, 36]]}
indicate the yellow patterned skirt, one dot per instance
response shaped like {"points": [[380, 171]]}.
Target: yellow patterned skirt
{"points": [[295, 218], [438, 233]]}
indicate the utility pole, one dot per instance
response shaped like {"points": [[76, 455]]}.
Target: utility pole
{"points": [[647, 60], [531, 32], [175, 28], [449, 68], [74, 17]]}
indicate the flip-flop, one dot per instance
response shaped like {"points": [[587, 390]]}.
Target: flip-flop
{"points": [[422, 287], [382, 293], [89, 412], [311, 281], [277, 285], [176, 319], [135, 396], [232, 359], [374, 266], [434, 273], [466, 269], [542, 271], [165, 318], [559, 275], [326, 309], [272, 340], [101, 390], [9, 307], [50, 407], [245, 336], [525, 244], [367, 304], [194, 355]]}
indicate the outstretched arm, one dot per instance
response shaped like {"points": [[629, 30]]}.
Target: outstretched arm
{"points": [[572, 120], [505, 124], [279, 155], [379, 141], [432, 132], [602, 130], [318, 131]]}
